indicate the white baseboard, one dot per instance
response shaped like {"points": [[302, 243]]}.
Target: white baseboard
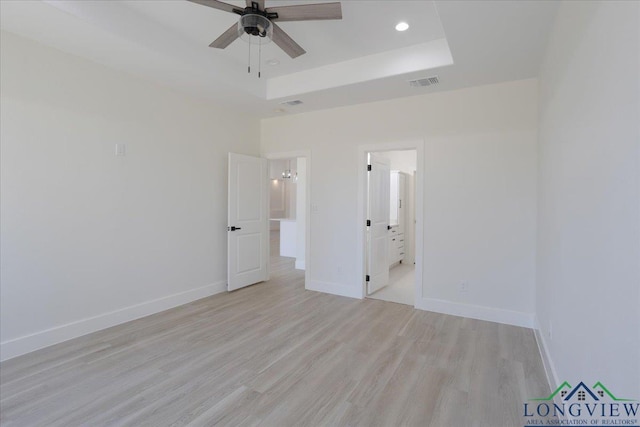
{"points": [[490, 314], [28, 343], [300, 264], [333, 288], [549, 366]]}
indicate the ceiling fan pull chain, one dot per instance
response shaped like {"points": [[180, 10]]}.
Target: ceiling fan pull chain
{"points": [[259, 56], [249, 66]]}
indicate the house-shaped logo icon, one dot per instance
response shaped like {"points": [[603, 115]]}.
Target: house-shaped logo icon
{"points": [[595, 404], [582, 393]]}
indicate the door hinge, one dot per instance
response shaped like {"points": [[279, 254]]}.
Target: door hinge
{"points": [[368, 167], [366, 278], [368, 223]]}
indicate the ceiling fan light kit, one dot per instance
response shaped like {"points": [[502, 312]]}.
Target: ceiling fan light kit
{"points": [[258, 21], [252, 25]]}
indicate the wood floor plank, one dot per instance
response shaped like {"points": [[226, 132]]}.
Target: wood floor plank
{"points": [[274, 354]]}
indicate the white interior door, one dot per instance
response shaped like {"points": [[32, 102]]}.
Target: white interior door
{"points": [[378, 234], [248, 227]]}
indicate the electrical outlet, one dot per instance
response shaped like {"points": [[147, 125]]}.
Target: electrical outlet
{"points": [[463, 287]]}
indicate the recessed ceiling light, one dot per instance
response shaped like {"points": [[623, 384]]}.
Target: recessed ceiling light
{"points": [[273, 62], [402, 26]]}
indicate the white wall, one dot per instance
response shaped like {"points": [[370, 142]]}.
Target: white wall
{"points": [[90, 239], [301, 212], [402, 160], [589, 196], [283, 192], [291, 189], [277, 206], [480, 192]]}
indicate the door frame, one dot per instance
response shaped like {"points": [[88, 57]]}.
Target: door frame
{"points": [[409, 144], [278, 155]]}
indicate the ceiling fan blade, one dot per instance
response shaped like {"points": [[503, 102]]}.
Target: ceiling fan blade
{"points": [[286, 43], [218, 5], [307, 12], [226, 38], [260, 3]]}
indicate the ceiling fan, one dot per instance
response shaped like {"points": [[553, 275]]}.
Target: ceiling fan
{"points": [[256, 20]]}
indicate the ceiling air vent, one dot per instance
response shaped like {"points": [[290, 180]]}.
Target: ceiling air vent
{"points": [[292, 102], [427, 81]]}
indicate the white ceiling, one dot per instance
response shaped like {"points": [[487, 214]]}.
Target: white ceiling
{"points": [[360, 58]]}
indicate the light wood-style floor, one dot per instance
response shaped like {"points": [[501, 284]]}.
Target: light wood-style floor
{"points": [[401, 287], [275, 354]]}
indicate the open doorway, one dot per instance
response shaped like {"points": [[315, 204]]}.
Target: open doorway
{"points": [[390, 244], [287, 215]]}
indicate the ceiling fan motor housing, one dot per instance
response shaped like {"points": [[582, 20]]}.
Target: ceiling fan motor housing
{"points": [[255, 25]]}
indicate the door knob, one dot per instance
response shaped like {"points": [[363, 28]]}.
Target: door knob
{"points": [[234, 228]]}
